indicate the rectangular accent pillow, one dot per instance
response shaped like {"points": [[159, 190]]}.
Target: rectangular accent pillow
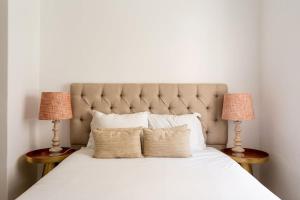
{"points": [[197, 140], [101, 120], [117, 142], [167, 142]]}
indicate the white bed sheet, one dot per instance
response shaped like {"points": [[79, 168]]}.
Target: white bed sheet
{"points": [[209, 175]]}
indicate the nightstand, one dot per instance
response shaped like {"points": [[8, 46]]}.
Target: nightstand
{"points": [[49, 159], [247, 158]]}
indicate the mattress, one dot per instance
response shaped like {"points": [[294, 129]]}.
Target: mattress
{"points": [[209, 174]]}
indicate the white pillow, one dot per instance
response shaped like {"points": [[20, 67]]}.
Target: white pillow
{"points": [[197, 140], [101, 120]]}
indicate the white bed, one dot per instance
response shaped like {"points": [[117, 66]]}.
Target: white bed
{"points": [[209, 174]]}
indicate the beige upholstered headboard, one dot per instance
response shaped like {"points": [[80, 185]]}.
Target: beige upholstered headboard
{"points": [[205, 99]]}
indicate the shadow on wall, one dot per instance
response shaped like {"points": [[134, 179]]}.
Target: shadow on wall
{"points": [[30, 115], [26, 174], [27, 177], [278, 167], [65, 125]]}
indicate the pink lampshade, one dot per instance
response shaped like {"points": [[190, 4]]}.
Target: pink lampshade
{"points": [[55, 106], [238, 107]]}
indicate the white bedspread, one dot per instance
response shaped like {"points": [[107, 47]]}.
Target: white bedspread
{"points": [[210, 175]]}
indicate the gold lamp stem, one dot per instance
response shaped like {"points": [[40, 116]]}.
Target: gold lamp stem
{"points": [[237, 140], [55, 141]]}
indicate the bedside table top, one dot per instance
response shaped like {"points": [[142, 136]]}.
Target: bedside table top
{"points": [[251, 156], [44, 156]]}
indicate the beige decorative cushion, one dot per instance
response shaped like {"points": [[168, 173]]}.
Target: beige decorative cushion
{"points": [[167, 142], [117, 142]]}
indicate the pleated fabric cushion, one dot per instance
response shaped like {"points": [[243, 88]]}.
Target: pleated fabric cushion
{"points": [[167, 142], [117, 142]]}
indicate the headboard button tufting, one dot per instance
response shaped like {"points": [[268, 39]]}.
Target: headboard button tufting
{"points": [[205, 99]]}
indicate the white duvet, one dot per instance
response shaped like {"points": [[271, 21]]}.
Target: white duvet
{"points": [[209, 175]]}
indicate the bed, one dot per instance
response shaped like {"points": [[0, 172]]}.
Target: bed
{"points": [[208, 174]]}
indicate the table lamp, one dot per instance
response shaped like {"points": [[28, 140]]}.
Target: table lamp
{"points": [[55, 106], [237, 107]]}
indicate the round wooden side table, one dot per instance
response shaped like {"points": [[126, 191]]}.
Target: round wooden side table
{"points": [[248, 158], [48, 159]]}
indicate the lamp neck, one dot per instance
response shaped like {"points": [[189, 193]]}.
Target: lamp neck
{"points": [[56, 120]]}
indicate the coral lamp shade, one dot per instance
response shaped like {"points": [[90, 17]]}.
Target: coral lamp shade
{"points": [[238, 107], [55, 106]]}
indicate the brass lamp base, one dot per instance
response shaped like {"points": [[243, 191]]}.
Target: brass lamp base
{"points": [[237, 140], [55, 141]]}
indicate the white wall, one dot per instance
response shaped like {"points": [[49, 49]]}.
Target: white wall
{"points": [[280, 96], [150, 41], [23, 72], [121, 41], [3, 97]]}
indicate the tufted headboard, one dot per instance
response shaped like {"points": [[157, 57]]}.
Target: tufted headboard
{"points": [[205, 99]]}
